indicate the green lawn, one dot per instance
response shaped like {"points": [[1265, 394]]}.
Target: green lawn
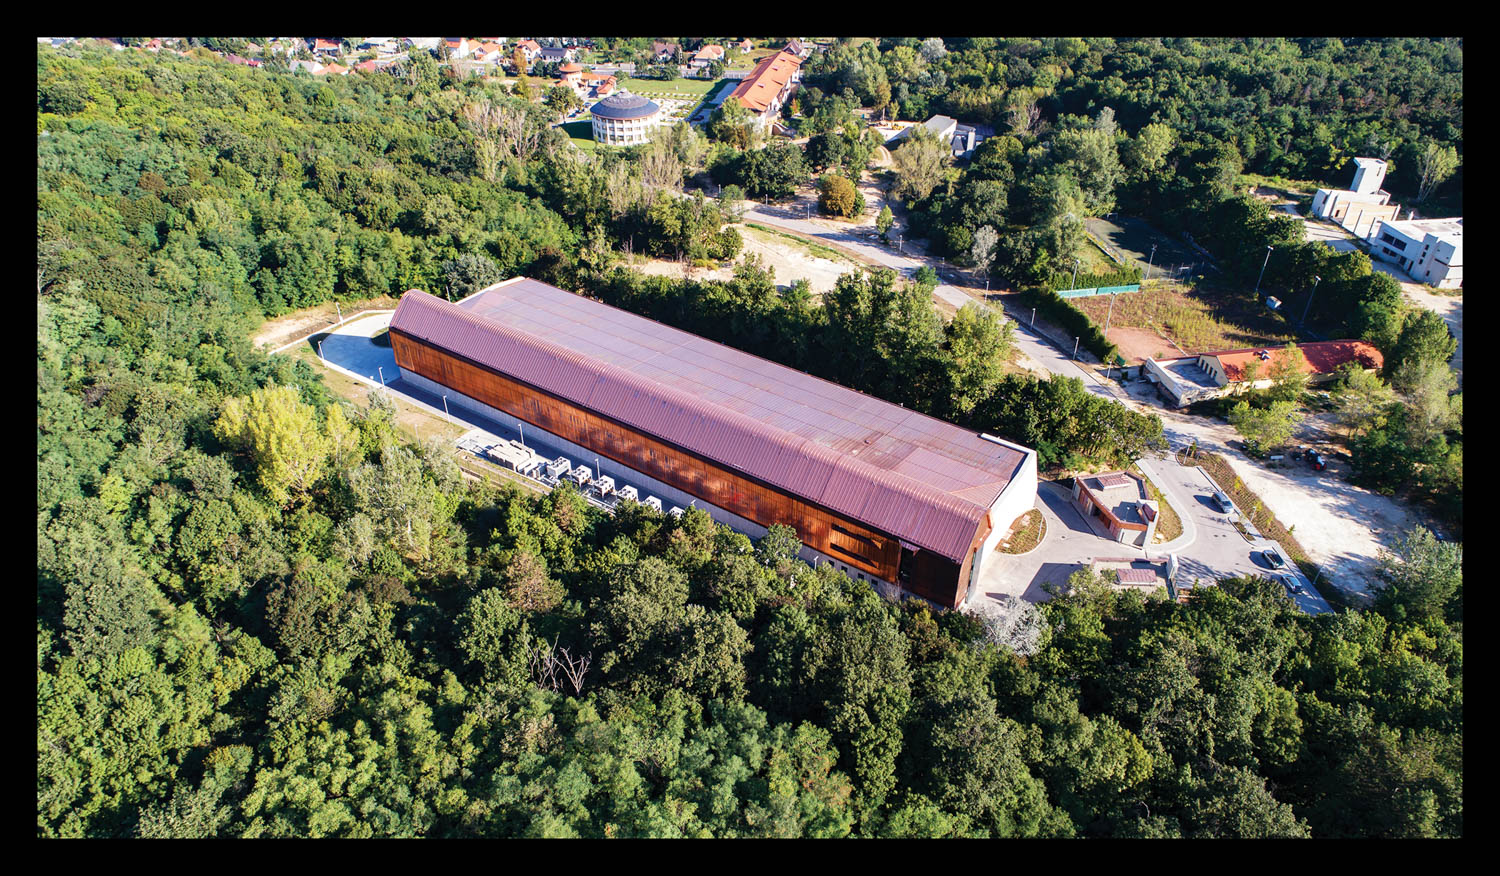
{"points": [[679, 88], [581, 132]]}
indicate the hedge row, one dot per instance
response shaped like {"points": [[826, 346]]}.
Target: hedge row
{"points": [[1057, 310], [1063, 280]]}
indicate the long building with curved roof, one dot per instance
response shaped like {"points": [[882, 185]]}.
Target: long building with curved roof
{"points": [[883, 491]]}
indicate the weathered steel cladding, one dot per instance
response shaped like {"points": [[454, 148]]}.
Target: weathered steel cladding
{"points": [[833, 416], [734, 491], [887, 500]]}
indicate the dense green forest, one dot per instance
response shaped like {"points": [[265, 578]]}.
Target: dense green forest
{"points": [[260, 612]]}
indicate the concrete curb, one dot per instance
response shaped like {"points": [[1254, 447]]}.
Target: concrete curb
{"points": [[1189, 526], [329, 329]]}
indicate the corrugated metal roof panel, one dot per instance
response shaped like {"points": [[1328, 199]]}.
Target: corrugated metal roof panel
{"points": [[894, 469]]}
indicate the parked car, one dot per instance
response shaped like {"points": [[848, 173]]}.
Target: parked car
{"points": [[1273, 559], [1222, 501], [1290, 583]]}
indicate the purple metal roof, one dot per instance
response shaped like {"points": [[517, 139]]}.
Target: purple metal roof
{"points": [[916, 477]]}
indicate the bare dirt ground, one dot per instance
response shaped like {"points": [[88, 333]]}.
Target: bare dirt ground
{"points": [[1137, 344], [1341, 526], [287, 328], [787, 259]]}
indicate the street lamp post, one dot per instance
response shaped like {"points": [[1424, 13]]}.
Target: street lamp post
{"points": [[339, 311], [1310, 295], [1149, 262], [1075, 349], [1111, 312], [320, 351], [523, 434], [1074, 283], [445, 406], [1263, 269], [381, 369], [1033, 318]]}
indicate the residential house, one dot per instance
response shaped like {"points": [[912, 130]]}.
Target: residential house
{"points": [[333, 70], [1118, 503], [960, 139], [663, 53], [707, 55], [489, 53], [383, 45], [1187, 379], [745, 46], [244, 62], [557, 55], [1430, 250], [769, 86], [798, 48], [1361, 207], [458, 47], [325, 47], [428, 43], [530, 49]]}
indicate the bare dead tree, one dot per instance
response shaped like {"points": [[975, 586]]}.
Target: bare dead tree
{"points": [[575, 668], [550, 666]]}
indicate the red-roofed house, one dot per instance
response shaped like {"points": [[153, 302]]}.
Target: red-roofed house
{"points": [[1186, 379], [529, 48], [321, 46], [707, 55], [244, 62], [334, 70], [769, 85], [489, 53], [458, 47], [745, 46]]}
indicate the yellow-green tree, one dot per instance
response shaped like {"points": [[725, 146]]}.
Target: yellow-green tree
{"points": [[1288, 374], [281, 435]]}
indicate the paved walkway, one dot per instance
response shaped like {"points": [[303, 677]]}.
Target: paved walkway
{"points": [[1069, 544]]}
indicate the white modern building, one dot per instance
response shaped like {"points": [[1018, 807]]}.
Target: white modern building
{"points": [[1361, 207], [624, 119], [1431, 250]]}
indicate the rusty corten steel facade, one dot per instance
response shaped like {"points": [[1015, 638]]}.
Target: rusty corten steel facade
{"points": [[722, 425]]}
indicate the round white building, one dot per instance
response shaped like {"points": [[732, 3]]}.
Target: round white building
{"points": [[623, 119]]}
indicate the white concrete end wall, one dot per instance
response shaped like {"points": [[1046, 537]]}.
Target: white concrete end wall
{"points": [[1018, 497]]}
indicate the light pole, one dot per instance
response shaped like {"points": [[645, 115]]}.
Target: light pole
{"points": [[523, 434], [1075, 349], [381, 369], [320, 352], [1149, 262], [1263, 269], [1074, 283], [1310, 295], [1033, 318], [339, 311], [1111, 312], [899, 246], [445, 406]]}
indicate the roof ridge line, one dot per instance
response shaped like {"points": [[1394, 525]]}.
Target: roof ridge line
{"points": [[902, 483]]}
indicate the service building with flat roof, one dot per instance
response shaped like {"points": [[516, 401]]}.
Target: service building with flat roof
{"points": [[887, 494]]}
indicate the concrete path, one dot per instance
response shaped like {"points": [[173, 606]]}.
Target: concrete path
{"points": [[1068, 545]]}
